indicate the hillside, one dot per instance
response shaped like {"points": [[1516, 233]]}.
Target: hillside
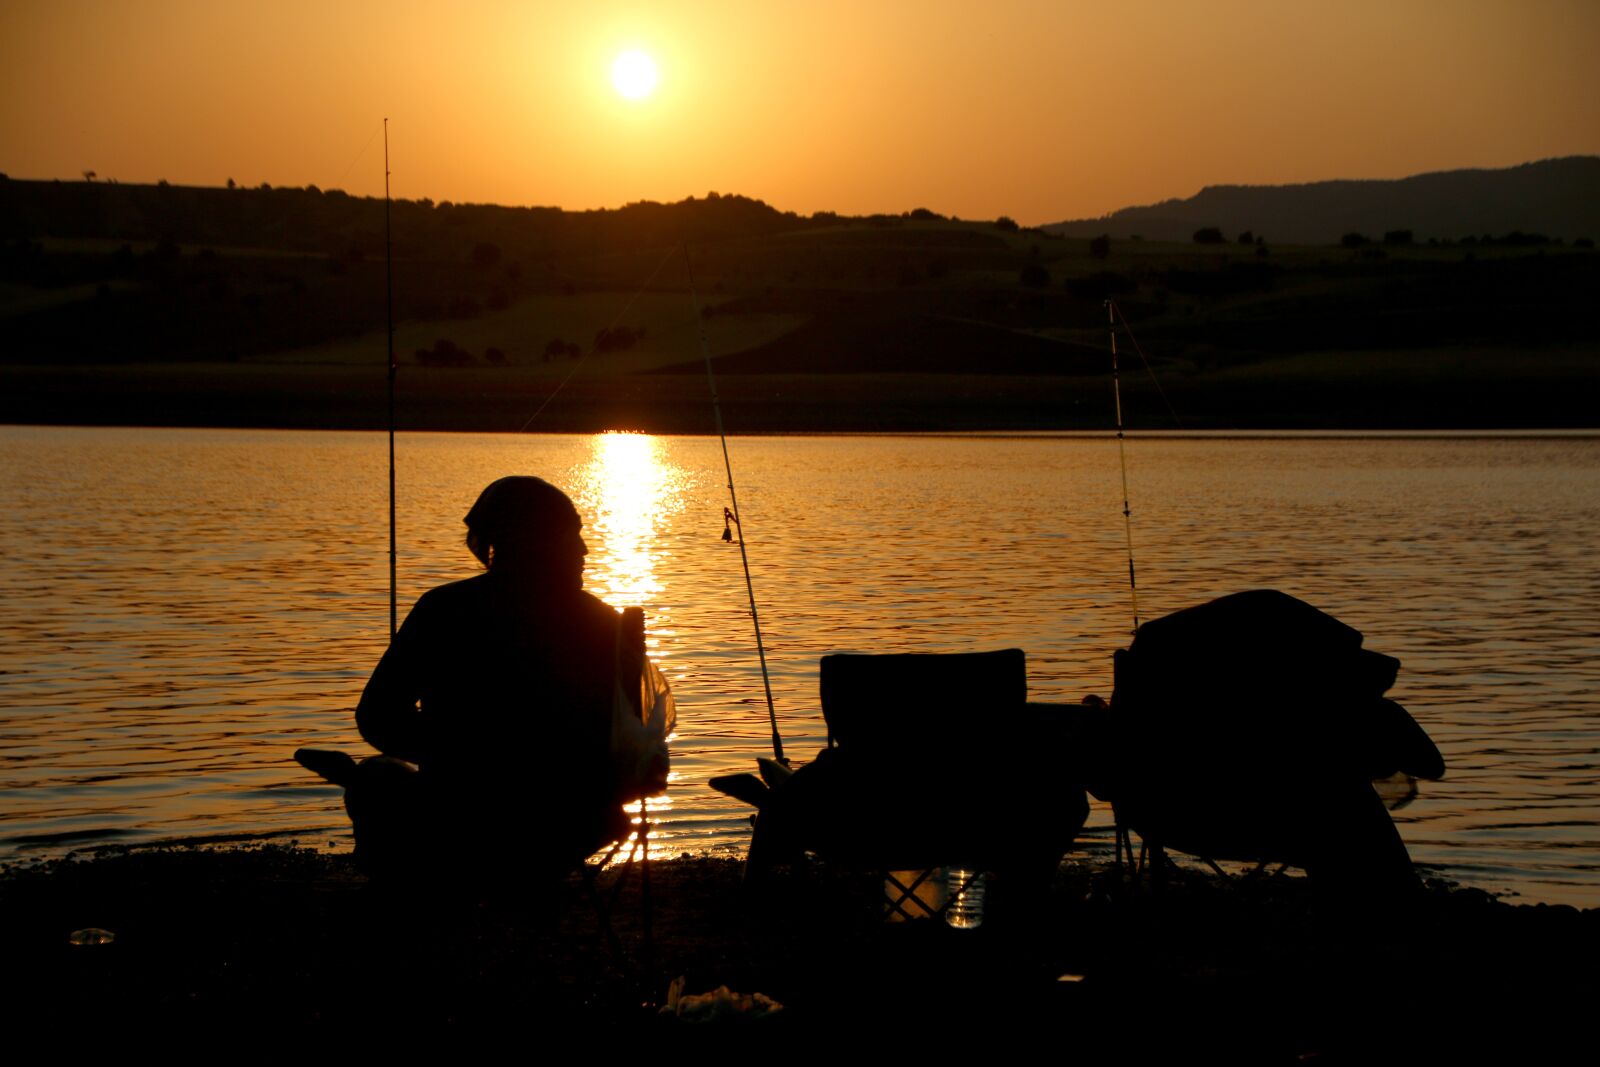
{"points": [[265, 307], [1558, 198]]}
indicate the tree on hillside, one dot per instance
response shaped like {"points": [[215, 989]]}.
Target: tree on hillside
{"points": [[89, 175], [1209, 235], [1354, 240], [1007, 223], [444, 353]]}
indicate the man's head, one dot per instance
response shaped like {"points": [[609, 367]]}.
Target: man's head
{"points": [[527, 524]]}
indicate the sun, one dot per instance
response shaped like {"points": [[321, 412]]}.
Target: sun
{"points": [[634, 74]]}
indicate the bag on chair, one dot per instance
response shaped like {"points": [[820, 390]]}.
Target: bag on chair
{"points": [[643, 714]]}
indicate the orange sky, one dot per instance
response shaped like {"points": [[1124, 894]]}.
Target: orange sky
{"points": [[1040, 110]]}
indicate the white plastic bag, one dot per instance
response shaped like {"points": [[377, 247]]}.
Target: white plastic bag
{"points": [[639, 757]]}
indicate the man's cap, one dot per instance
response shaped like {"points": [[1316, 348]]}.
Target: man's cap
{"points": [[524, 504]]}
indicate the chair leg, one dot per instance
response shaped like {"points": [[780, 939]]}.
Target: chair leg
{"points": [[1123, 838], [601, 900], [647, 949], [895, 905]]}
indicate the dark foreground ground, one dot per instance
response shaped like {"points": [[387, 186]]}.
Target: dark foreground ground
{"points": [[269, 952]]}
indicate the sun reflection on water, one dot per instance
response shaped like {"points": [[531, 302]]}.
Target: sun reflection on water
{"points": [[627, 491]]}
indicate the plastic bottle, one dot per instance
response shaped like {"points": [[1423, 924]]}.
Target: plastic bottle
{"points": [[91, 935], [966, 906]]}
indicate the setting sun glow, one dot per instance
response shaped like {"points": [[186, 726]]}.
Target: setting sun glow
{"points": [[634, 74]]}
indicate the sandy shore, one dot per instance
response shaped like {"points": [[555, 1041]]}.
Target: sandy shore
{"points": [[274, 943]]}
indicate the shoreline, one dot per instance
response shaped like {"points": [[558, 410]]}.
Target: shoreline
{"points": [[1458, 433], [224, 940], [1560, 395]]}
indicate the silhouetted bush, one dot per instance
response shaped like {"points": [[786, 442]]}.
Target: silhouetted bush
{"points": [[444, 353], [1100, 247], [1397, 237], [617, 339], [1007, 223], [1354, 240], [1209, 235], [1517, 239], [1247, 238]]}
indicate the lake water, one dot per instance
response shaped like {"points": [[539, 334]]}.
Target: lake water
{"points": [[180, 609]]}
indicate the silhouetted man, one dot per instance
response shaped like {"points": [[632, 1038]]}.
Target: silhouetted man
{"points": [[500, 690]]}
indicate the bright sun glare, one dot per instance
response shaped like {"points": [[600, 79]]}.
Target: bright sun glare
{"points": [[634, 74]]}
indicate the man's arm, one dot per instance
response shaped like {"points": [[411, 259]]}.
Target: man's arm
{"points": [[387, 715]]}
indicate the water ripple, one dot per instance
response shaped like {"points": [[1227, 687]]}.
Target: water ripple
{"points": [[180, 609]]}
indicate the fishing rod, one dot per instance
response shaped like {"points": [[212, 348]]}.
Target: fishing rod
{"points": [[1120, 831], [1122, 456], [1113, 313], [388, 280], [732, 514]]}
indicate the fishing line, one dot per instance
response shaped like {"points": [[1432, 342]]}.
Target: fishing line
{"points": [[594, 345], [1150, 370], [384, 128], [388, 281], [732, 514]]}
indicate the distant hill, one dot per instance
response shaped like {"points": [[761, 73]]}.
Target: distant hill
{"points": [[1559, 198], [167, 305], [331, 222]]}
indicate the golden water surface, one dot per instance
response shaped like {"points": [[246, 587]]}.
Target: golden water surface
{"points": [[180, 609]]}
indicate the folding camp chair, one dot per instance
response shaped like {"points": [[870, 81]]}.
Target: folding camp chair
{"points": [[628, 852], [1250, 728], [933, 761]]}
